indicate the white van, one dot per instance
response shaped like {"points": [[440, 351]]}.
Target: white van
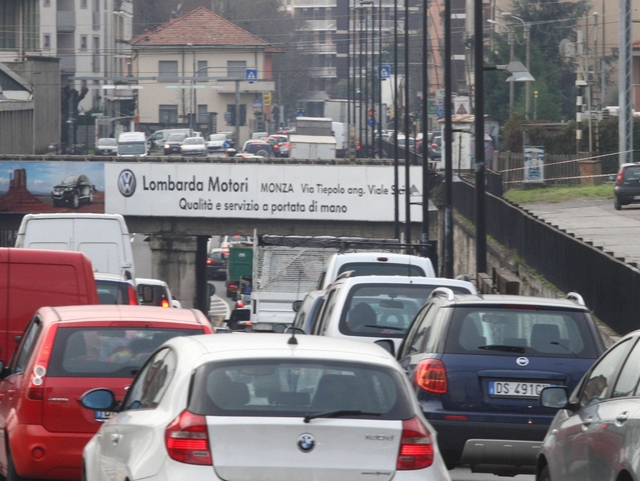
{"points": [[132, 144], [377, 308], [375, 264], [104, 238]]}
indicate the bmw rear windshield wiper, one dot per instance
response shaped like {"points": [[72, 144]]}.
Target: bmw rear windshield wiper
{"points": [[391, 328], [498, 347], [338, 413]]}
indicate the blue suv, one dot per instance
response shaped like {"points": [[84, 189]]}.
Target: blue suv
{"points": [[478, 364]]}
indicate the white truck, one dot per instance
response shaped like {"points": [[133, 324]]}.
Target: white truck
{"points": [[313, 147], [285, 268]]}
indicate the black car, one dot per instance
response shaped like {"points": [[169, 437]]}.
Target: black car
{"points": [[217, 264], [627, 187], [73, 190], [173, 143]]}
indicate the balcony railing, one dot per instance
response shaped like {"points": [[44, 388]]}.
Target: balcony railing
{"points": [[314, 3], [321, 48], [65, 21], [318, 25], [322, 72], [67, 64]]}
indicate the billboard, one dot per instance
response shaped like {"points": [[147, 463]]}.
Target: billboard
{"points": [[39, 187], [533, 163], [257, 191]]}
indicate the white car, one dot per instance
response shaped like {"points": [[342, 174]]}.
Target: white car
{"points": [[264, 406], [218, 143], [193, 146], [154, 292]]}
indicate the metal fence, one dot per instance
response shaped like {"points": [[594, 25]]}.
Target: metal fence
{"points": [[609, 286]]}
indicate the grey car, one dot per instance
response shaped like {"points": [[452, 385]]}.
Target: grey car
{"points": [[435, 148], [594, 434], [627, 186]]}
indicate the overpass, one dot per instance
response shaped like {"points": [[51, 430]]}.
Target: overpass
{"points": [[180, 202]]}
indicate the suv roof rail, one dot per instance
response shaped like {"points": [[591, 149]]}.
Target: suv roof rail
{"points": [[443, 292], [574, 296]]}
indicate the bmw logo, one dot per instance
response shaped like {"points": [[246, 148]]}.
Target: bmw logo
{"points": [[127, 183], [306, 443], [522, 361]]}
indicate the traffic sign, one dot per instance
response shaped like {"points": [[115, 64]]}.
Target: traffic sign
{"points": [[372, 113], [384, 72], [251, 75], [371, 122]]}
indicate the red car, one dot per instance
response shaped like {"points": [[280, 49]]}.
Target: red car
{"points": [[63, 353]]}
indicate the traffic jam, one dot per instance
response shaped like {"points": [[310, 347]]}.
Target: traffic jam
{"points": [[372, 367]]}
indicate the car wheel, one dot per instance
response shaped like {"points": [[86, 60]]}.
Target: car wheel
{"points": [[262, 153], [616, 203], [75, 200], [450, 459], [544, 474], [12, 474]]}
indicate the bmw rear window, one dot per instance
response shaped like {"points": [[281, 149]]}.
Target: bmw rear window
{"points": [[381, 269], [286, 388], [509, 330], [106, 352]]}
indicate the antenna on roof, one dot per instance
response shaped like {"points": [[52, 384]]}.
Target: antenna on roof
{"points": [[292, 339]]}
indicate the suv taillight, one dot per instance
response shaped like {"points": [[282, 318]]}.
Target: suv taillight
{"points": [[431, 376], [416, 448], [620, 176], [133, 296], [187, 440], [35, 391]]}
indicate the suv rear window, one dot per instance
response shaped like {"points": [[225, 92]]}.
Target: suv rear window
{"points": [[495, 330], [381, 269], [286, 388], [632, 173], [374, 310], [106, 352]]}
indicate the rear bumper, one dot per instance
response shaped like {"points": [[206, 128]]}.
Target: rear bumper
{"points": [[39, 453]]}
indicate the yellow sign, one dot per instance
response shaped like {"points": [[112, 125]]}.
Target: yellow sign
{"points": [[266, 99]]}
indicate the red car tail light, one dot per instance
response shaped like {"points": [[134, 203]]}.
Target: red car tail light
{"points": [[187, 440], [416, 448], [35, 391], [133, 296], [620, 176], [432, 376], [165, 303], [209, 262]]}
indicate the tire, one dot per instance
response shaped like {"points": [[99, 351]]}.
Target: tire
{"points": [[12, 474], [616, 203], [75, 201], [262, 153], [450, 459], [544, 474]]}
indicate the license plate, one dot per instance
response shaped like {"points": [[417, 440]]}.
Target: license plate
{"points": [[636, 197], [516, 389], [102, 416]]}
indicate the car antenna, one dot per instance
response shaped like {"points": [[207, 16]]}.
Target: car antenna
{"points": [[292, 340]]}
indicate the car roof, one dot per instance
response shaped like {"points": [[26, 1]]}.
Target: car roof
{"points": [[392, 256], [272, 345], [121, 312], [108, 276], [403, 280], [151, 282], [513, 300]]}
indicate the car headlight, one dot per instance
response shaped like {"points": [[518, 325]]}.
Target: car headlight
{"points": [[167, 146]]}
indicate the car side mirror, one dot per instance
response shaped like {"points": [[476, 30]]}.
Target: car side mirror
{"points": [[100, 399], [387, 345], [555, 397]]}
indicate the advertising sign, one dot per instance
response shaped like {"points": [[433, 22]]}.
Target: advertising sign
{"points": [[533, 163], [40, 187], [254, 191]]}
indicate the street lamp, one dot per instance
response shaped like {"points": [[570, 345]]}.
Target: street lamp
{"points": [[525, 27], [511, 57]]}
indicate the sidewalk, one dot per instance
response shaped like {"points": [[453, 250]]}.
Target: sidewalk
{"points": [[596, 221]]}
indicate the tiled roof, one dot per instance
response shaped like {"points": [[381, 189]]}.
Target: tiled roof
{"points": [[198, 27]]}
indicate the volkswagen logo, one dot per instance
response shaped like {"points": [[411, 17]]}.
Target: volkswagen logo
{"points": [[306, 443], [127, 183], [522, 361]]}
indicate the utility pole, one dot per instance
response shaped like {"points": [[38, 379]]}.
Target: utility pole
{"points": [[448, 159], [625, 130]]}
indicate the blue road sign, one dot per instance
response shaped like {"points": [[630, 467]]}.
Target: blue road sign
{"points": [[384, 72], [251, 74], [371, 122]]}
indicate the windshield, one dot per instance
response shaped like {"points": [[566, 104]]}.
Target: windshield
{"points": [[193, 141], [375, 310], [176, 137], [71, 179], [107, 142], [538, 332], [132, 148], [217, 137], [297, 388]]}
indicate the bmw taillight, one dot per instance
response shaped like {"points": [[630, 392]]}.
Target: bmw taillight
{"points": [[35, 391], [133, 295], [431, 376], [620, 176], [416, 447], [187, 440]]}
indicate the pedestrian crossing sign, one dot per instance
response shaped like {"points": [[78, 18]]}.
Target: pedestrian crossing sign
{"points": [[251, 75]]}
